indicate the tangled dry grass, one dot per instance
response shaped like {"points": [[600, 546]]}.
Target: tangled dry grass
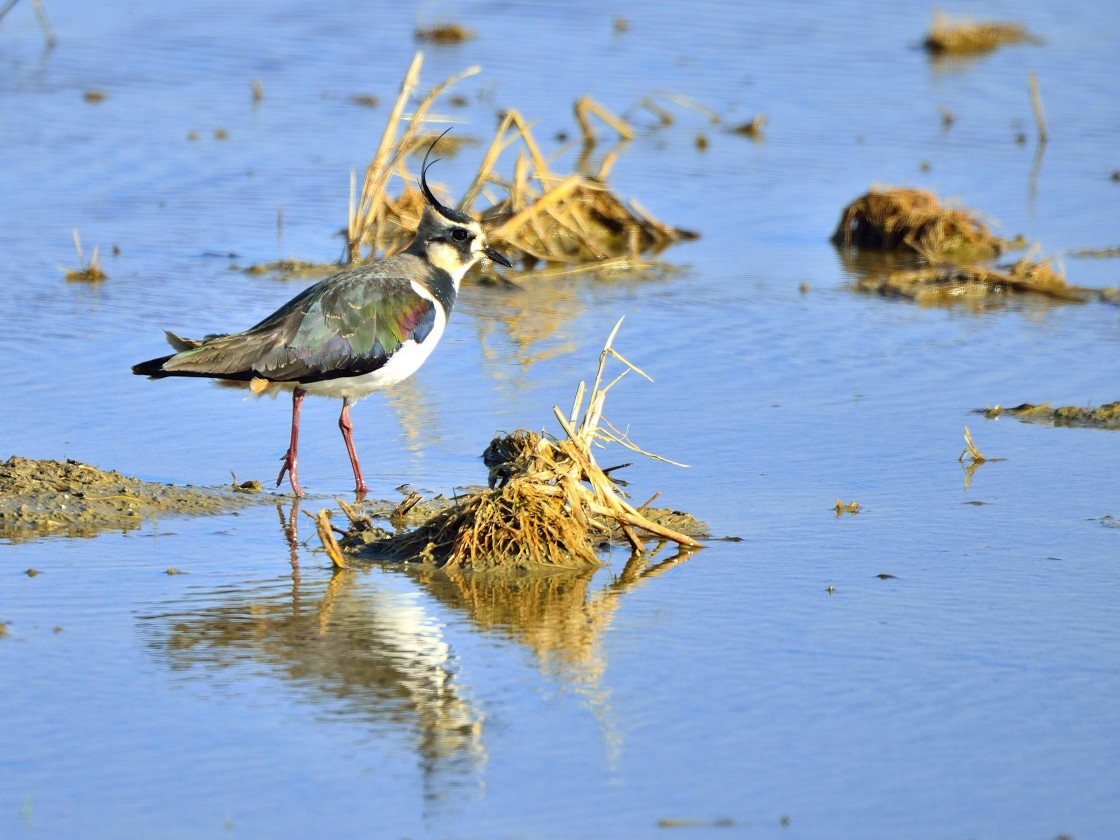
{"points": [[535, 215], [550, 505]]}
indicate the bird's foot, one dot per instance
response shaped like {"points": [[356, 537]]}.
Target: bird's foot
{"points": [[289, 467]]}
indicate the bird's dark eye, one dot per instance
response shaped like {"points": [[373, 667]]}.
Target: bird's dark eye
{"points": [[459, 235]]}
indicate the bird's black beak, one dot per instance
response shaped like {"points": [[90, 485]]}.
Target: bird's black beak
{"points": [[496, 257]]}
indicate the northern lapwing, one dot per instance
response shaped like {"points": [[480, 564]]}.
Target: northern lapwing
{"points": [[354, 333]]}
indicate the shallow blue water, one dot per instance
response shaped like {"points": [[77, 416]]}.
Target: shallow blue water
{"points": [[971, 695]]}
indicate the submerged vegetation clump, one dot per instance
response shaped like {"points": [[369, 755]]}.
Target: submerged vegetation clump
{"points": [[974, 284], [1105, 416], [549, 504], [937, 255], [963, 36], [893, 218]]}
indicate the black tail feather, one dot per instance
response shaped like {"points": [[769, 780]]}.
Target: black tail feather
{"points": [[152, 367]]}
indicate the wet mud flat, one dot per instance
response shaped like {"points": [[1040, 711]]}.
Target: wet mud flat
{"points": [[69, 498]]}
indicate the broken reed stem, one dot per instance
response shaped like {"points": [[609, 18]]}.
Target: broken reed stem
{"points": [[1036, 103], [377, 172], [971, 449], [586, 105], [503, 140], [326, 535]]}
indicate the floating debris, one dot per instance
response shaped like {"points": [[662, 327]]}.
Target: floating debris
{"points": [[444, 33], [1099, 253], [95, 96], [550, 504], [258, 90], [752, 128], [89, 272], [366, 100], [290, 268], [847, 507], [1105, 416], [891, 218], [963, 36]]}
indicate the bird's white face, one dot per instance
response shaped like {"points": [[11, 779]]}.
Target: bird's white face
{"points": [[455, 247]]}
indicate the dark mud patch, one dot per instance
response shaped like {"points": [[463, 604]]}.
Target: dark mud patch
{"points": [[41, 498], [1106, 416]]}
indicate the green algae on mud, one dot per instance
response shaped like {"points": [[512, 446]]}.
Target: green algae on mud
{"points": [[41, 498]]}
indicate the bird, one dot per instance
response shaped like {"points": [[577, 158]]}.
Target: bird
{"points": [[353, 333]]}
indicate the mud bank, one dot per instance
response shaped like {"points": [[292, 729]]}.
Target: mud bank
{"points": [[40, 498]]}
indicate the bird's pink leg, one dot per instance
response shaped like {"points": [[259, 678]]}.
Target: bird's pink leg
{"points": [[291, 457], [346, 426]]}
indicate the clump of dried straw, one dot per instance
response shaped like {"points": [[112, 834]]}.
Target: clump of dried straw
{"points": [[948, 36], [891, 218], [550, 504], [536, 215], [90, 272]]}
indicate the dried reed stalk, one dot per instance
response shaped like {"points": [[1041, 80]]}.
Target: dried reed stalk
{"points": [[1036, 105], [970, 449], [586, 106], [372, 211]]}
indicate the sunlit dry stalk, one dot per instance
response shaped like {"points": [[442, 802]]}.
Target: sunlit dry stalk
{"points": [[1036, 104], [970, 449], [585, 106]]}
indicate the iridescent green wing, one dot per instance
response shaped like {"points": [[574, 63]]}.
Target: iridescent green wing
{"points": [[346, 326]]}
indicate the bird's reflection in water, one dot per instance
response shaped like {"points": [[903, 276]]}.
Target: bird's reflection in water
{"points": [[418, 424], [370, 638]]}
